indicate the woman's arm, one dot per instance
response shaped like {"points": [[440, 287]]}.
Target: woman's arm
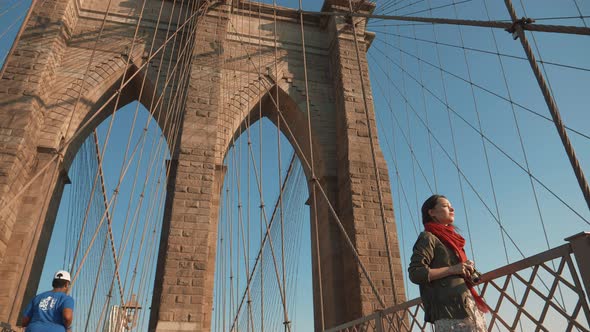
{"points": [[422, 255], [463, 269]]}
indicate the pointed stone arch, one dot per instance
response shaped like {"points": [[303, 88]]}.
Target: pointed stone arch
{"points": [[261, 97]]}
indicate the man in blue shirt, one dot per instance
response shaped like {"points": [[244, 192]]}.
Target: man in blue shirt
{"points": [[51, 311]]}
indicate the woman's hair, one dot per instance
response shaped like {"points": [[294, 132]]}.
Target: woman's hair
{"points": [[59, 283], [429, 204]]}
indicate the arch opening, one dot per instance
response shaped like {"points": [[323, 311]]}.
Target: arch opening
{"points": [[111, 215]]}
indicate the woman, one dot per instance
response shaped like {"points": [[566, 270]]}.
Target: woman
{"points": [[441, 269]]}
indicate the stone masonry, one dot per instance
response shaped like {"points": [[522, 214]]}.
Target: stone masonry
{"points": [[62, 81]]}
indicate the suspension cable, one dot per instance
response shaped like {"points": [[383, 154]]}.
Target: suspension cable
{"points": [[519, 28], [374, 158], [313, 174]]}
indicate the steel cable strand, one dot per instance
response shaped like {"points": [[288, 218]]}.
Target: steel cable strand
{"points": [[83, 126], [545, 87], [408, 138], [149, 272], [152, 99], [134, 223], [580, 13], [124, 170], [394, 10], [235, 186], [384, 5], [522, 146], [11, 7], [151, 218], [501, 150], [134, 122], [482, 88], [86, 71], [423, 94], [259, 184], [247, 243], [485, 150], [398, 175], [374, 159], [312, 171], [94, 289], [266, 235], [454, 163], [175, 122], [430, 8], [18, 35], [467, 180], [566, 29], [286, 322], [105, 200], [323, 193], [453, 137], [479, 50], [174, 132]]}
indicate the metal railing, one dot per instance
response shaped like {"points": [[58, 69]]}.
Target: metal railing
{"points": [[544, 292]]}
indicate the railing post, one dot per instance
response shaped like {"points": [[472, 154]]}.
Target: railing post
{"points": [[379, 322], [580, 244]]}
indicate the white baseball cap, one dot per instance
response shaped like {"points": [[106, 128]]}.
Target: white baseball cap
{"points": [[64, 275]]}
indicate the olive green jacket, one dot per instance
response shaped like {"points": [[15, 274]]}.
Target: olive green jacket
{"points": [[443, 298]]}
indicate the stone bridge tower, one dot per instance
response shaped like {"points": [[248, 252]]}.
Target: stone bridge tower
{"points": [[62, 80]]}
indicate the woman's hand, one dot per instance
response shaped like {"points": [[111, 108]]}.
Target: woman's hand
{"points": [[463, 269]]}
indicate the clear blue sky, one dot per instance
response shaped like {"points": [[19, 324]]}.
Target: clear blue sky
{"points": [[418, 164]]}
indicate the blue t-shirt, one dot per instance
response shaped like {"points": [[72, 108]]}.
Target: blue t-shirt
{"points": [[46, 312]]}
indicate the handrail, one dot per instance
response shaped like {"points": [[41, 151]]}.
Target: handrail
{"points": [[407, 314]]}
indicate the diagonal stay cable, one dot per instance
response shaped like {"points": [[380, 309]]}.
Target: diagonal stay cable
{"points": [[479, 50], [495, 145], [483, 88], [108, 216], [174, 131], [500, 150], [565, 29], [118, 185], [490, 141], [307, 164], [434, 8], [88, 121], [451, 159], [264, 239]]}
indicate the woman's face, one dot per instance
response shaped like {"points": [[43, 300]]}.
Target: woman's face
{"points": [[443, 212]]}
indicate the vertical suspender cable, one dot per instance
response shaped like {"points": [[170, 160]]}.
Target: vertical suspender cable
{"points": [[373, 153], [286, 321], [314, 180], [19, 34], [332, 211], [553, 109]]}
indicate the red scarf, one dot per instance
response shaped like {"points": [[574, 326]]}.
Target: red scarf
{"points": [[454, 241]]}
